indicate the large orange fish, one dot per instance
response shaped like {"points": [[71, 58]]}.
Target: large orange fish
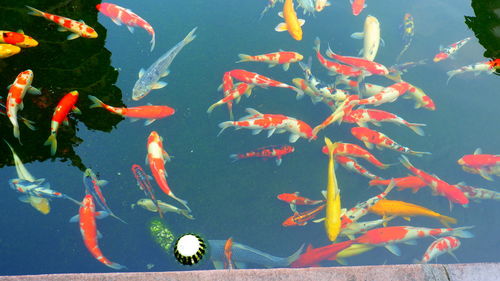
{"points": [[292, 24]]}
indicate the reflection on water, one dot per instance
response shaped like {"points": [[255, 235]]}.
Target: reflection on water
{"points": [[486, 26]]}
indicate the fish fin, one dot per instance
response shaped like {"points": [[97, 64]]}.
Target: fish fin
{"points": [[116, 21], [478, 151], [212, 107], [293, 207], [278, 161], [412, 242], [159, 85], [286, 66], [76, 110], [271, 132], [73, 36], [281, 27], [52, 141], [224, 125], [29, 124], [61, 29], [34, 12], [165, 74], [293, 138], [102, 183], [101, 214], [393, 249], [417, 128], [382, 42], [234, 157], [130, 28], [404, 160], [280, 14], [358, 35], [407, 218], [244, 58], [99, 234], [341, 261], [368, 145], [301, 22], [152, 42], [485, 175], [462, 232], [24, 199], [252, 111], [141, 72], [74, 218], [116, 266], [256, 131], [272, 65], [34, 91], [96, 102], [293, 257], [453, 255], [237, 100], [149, 122]]}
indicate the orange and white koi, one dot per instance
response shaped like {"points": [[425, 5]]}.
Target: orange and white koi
{"points": [[120, 15], [480, 162], [294, 199], [349, 149], [276, 151], [421, 99], [301, 219], [292, 24], [438, 186], [374, 116], [411, 182], [17, 90], [273, 59], [226, 87], [260, 80], [343, 109], [233, 94], [371, 137], [450, 50], [476, 193], [351, 165], [484, 66], [388, 236], [441, 246], [333, 67], [387, 95], [88, 228], [228, 253], [357, 6], [18, 39], [8, 50], [319, 5], [369, 67], [78, 28], [65, 105], [150, 112], [157, 156]]}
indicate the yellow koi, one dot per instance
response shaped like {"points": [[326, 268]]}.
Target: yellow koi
{"points": [[353, 250], [333, 211], [292, 24]]}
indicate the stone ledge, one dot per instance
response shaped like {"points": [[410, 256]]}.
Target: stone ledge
{"points": [[407, 272]]}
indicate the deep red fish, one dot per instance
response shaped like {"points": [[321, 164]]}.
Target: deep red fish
{"points": [[145, 185], [312, 257], [411, 182], [276, 151]]}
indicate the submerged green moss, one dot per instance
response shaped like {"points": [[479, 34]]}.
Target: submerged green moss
{"points": [[161, 234]]}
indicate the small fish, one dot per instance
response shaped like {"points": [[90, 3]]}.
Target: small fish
{"points": [[408, 27], [450, 50], [228, 253], [387, 95], [312, 257], [441, 246], [357, 6], [307, 5], [260, 80], [321, 4], [150, 79], [150, 112], [7, 50], [370, 67], [145, 185], [292, 24], [149, 205], [349, 149], [65, 105], [276, 151], [370, 36], [120, 15], [18, 39], [294, 199], [411, 182], [233, 94], [301, 219], [38, 188], [273, 59], [484, 66], [333, 67], [351, 165], [78, 28]]}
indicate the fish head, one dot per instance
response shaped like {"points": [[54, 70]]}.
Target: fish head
{"points": [[89, 32], [29, 42], [289, 222], [141, 89], [428, 103], [439, 57]]}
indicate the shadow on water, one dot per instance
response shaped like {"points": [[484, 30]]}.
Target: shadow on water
{"points": [[59, 66], [486, 26]]}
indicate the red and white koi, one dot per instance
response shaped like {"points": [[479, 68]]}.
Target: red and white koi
{"points": [[226, 87], [411, 182], [362, 227], [476, 193], [438, 186], [484, 66], [273, 59], [275, 151], [150, 112], [294, 199], [88, 228], [351, 165], [65, 105], [450, 50], [335, 68], [260, 80], [18, 39], [480, 162], [343, 109], [78, 28], [387, 95], [17, 90], [441, 246], [369, 67], [374, 116], [233, 94], [157, 156], [349, 149], [421, 99], [120, 15], [301, 219], [371, 137]]}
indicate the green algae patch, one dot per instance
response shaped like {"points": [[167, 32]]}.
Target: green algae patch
{"points": [[161, 234]]}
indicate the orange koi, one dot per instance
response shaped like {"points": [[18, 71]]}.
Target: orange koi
{"points": [[292, 24], [349, 149], [412, 182], [18, 39], [282, 57], [228, 253]]}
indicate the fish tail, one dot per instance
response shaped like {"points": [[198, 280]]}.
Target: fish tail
{"points": [[52, 141], [330, 53], [190, 37], [450, 74], [317, 44], [462, 232], [71, 199], [29, 124], [331, 146], [244, 57], [115, 265], [186, 213], [183, 202], [299, 92], [317, 129], [405, 162], [118, 218], [152, 42], [391, 185], [234, 157], [295, 255], [16, 132], [96, 102], [35, 12], [224, 125], [417, 128], [420, 153], [211, 108], [444, 220]]}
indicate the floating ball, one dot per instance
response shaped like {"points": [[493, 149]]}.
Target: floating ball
{"points": [[189, 249]]}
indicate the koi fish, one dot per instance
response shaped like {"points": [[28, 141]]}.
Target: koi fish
{"points": [[388, 236], [307, 5], [477, 194], [17, 90], [357, 6], [312, 257], [480, 162], [412, 182], [370, 35], [150, 112], [150, 79], [487, 170], [7, 50], [270, 5], [294, 199], [374, 116], [157, 156], [276, 151], [120, 15], [282, 57], [484, 66], [356, 227], [321, 4], [90, 234], [227, 86], [371, 137], [349, 149], [334, 68], [93, 186], [243, 255], [162, 208], [301, 219], [438, 186], [408, 27], [292, 24], [342, 110], [65, 105], [38, 188], [333, 204], [228, 253], [450, 50], [78, 28], [399, 69], [260, 80], [233, 94], [26, 122], [369, 67], [145, 185], [406, 210], [421, 99], [18, 39], [353, 250], [387, 95], [351, 165], [441, 246]]}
